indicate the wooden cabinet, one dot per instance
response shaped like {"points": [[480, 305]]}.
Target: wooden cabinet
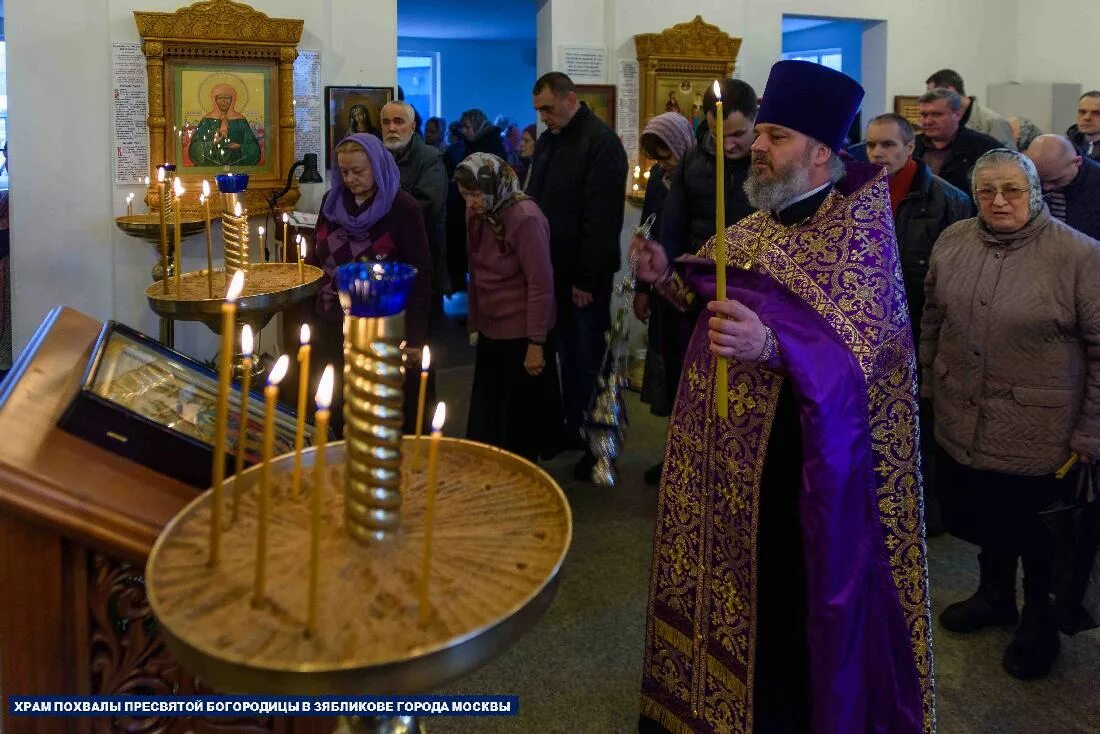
{"points": [[76, 525]]}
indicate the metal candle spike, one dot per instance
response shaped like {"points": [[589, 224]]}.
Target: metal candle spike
{"points": [[373, 295], [234, 221]]}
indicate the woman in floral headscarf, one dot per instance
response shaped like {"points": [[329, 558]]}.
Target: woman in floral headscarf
{"points": [[366, 215], [516, 400]]}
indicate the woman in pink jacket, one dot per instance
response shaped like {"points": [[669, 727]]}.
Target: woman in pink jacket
{"points": [[516, 398]]}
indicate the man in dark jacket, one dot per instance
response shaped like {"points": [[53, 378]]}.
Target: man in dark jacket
{"points": [[688, 220], [924, 205], [1085, 135], [1071, 182], [578, 178], [424, 176], [948, 148]]}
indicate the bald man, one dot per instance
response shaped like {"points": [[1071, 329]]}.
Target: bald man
{"points": [[1071, 182]]}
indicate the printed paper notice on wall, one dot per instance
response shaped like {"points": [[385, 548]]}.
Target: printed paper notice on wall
{"points": [[626, 117], [584, 64], [309, 117], [131, 108]]}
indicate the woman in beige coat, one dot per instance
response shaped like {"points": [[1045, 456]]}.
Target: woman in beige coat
{"points": [[1010, 348]]}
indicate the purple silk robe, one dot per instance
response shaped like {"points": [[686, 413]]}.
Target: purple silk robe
{"points": [[831, 290]]}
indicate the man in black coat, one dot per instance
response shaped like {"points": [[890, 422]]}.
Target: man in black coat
{"points": [[688, 220], [948, 148], [924, 205], [1071, 182], [578, 178]]}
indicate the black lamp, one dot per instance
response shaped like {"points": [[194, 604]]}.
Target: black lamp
{"points": [[310, 174]]}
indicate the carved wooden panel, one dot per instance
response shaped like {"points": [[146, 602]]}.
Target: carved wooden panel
{"points": [[126, 656]]}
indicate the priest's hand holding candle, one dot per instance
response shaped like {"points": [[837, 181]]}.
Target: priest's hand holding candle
{"points": [[242, 424], [324, 400], [425, 363], [271, 395], [429, 507], [721, 375], [303, 386], [221, 418]]}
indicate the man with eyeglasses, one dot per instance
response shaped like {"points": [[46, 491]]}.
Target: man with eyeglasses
{"points": [[948, 148], [1071, 182], [1085, 135]]}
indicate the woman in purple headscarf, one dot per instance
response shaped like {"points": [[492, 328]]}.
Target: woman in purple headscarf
{"points": [[366, 215]]}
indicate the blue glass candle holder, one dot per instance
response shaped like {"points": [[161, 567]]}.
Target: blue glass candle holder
{"points": [[232, 183], [374, 289]]}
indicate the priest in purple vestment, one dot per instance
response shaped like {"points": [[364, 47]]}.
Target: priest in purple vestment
{"points": [[789, 585]]}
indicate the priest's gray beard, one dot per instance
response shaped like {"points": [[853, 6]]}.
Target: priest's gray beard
{"points": [[770, 188]]}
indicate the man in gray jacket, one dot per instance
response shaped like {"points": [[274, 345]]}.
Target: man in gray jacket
{"points": [[975, 116], [424, 176]]}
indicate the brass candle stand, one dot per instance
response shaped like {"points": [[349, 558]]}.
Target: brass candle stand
{"points": [[269, 287]]}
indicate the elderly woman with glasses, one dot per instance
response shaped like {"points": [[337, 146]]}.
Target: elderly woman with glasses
{"points": [[1010, 348]]}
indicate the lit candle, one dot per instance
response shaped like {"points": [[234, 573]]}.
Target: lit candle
{"points": [[301, 258], [425, 363], [162, 184], [320, 432], [303, 385], [722, 373], [286, 225], [130, 205], [242, 425], [429, 508], [229, 318], [205, 200], [177, 185], [263, 243], [271, 394]]}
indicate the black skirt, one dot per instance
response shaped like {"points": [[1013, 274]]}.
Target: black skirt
{"points": [[999, 511], [511, 409]]}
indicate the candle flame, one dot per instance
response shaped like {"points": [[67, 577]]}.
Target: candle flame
{"points": [[278, 372], [129, 198], [246, 340], [146, 180], [324, 388], [237, 210], [260, 229], [286, 218], [637, 187], [717, 90], [440, 417], [302, 249], [206, 188], [202, 199], [160, 175], [235, 287], [177, 186], [426, 358], [303, 334]]}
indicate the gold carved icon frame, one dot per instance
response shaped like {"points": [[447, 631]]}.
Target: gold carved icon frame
{"points": [[678, 65], [221, 95]]}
